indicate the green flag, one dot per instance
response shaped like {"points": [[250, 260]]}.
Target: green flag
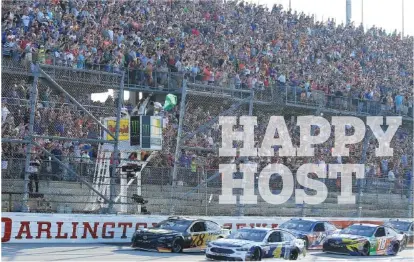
{"points": [[170, 102]]}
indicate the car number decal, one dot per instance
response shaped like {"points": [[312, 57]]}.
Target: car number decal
{"points": [[200, 240]]}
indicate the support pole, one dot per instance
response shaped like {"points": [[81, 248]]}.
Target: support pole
{"points": [[402, 18], [124, 194], [139, 189], [177, 148], [115, 157], [348, 12], [362, 13], [251, 103], [411, 190], [360, 181], [33, 99], [240, 206], [180, 131]]}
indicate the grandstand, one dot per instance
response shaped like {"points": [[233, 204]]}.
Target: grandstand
{"points": [[219, 58]]}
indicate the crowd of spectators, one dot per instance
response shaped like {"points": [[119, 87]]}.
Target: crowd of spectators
{"points": [[55, 116], [226, 43]]}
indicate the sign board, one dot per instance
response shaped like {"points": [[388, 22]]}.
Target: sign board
{"points": [[136, 132], [135, 135], [123, 129], [68, 228], [151, 132]]}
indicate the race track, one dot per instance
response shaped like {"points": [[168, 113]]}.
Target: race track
{"points": [[102, 252]]}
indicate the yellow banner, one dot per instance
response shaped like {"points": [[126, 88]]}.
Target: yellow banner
{"points": [[123, 129]]}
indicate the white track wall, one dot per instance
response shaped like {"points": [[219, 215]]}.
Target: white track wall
{"points": [[75, 228]]}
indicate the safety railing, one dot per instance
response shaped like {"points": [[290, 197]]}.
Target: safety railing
{"points": [[65, 73], [164, 80], [345, 105], [54, 103], [13, 168]]}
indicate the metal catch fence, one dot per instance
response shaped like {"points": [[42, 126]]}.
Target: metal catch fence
{"points": [[49, 117], [51, 128]]}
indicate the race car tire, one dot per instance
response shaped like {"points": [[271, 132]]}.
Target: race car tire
{"points": [[395, 249], [294, 254], [365, 249], [257, 255], [177, 246]]}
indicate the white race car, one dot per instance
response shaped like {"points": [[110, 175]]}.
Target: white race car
{"points": [[256, 243]]}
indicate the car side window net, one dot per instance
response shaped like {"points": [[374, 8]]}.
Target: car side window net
{"points": [[319, 228], [198, 227], [380, 232], [275, 237]]}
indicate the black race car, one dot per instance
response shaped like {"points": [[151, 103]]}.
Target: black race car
{"points": [[177, 234]]}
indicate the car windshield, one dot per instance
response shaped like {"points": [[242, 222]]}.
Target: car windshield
{"points": [[249, 234], [399, 225], [359, 230], [176, 225], [300, 225]]}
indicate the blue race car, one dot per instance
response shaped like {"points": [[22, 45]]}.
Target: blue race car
{"points": [[312, 231], [403, 227]]}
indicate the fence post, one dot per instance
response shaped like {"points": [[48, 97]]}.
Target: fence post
{"points": [[411, 195], [251, 102], [363, 160], [33, 99], [180, 130], [177, 147], [240, 206], [115, 157], [206, 189]]}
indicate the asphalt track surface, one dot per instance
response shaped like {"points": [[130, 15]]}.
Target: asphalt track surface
{"points": [[106, 252]]}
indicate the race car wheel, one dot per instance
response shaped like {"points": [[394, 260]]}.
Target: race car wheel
{"points": [[257, 255], [177, 246], [395, 249], [365, 249], [294, 254]]}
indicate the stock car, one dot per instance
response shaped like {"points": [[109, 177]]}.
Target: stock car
{"points": [[365, 240], [256, 243], [403, 227], [313, 232], [178, 234]]}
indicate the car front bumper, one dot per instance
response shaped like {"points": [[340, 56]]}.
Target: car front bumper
{"points": [[342, 249], [222, 254], [152, 246]]}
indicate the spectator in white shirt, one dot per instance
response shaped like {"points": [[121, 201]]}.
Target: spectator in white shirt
{"points": [[4, 113], [391, 180]]}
